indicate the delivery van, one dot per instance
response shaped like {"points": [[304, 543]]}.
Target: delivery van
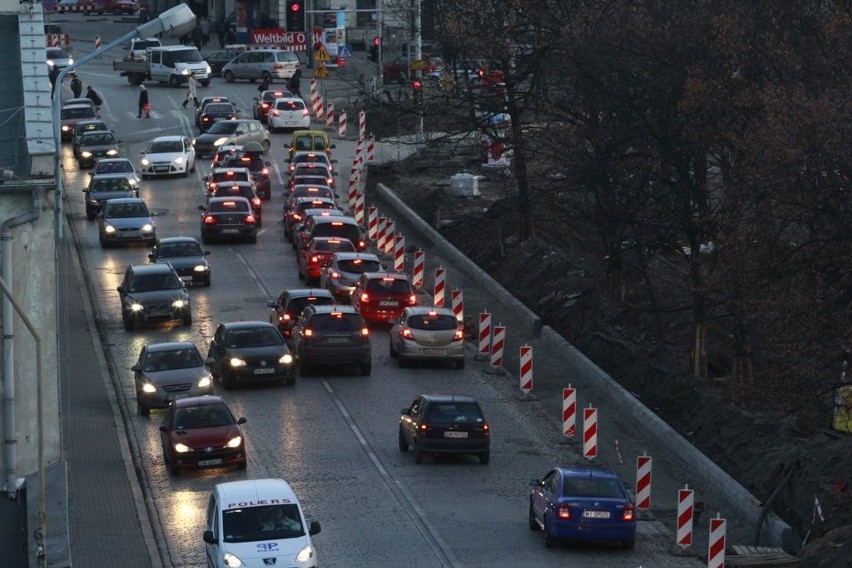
{"points": [[258, 522]]}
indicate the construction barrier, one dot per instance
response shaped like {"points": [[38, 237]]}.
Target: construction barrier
{"points": [[457, 303], [372, 222], [590, 432], [716, 544], [526, 368], [359, 208], [399, 253], [354, 182], [644, 466], [371, 149], [362, 125], [97, 42], [341, 124], [329, 115], [380, 234], [57, 40], [485, 334], [390, 228], [685, 511], [569, 411], [497, 345], [418, 271], [318, 106], [314, 95], [440, 284]]}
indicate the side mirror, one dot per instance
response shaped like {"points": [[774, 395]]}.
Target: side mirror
{"points": [[152, 256], [242, 421], [314, 528], [202, 208], [209, 360], [163, 429], [287, 146], [120, 289], [332, 146], [334, 161], [535, 483], [405, 412], [136, 368], [270, 304], [209, 538], [118, 141], [85, 189], [207, 253]]}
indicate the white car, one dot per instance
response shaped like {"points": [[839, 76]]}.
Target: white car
{"points": [[288, 112], [166, 156]]}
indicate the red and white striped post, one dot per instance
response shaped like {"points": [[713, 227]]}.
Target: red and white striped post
{"points": [[371, 149], [318, 107], [362, 125], [716, 545], [390, 229], [497, 345], [569, 412], [341, 124], [372, 222], [484, 334], [526, 373], [457, 303], [418, 270], [354, 184], [329, 115], [685, 511], [97, 42], [399, 253], [314, 92], [55, 41], [380, 234], [358, 160], [359, 208], [644, 467], [590, 432], [440, 285]]}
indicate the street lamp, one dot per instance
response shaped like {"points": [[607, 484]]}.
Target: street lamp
{"points": [[174, 22]]}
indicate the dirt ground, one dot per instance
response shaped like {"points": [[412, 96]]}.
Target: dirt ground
{"points": [[779, 459]]}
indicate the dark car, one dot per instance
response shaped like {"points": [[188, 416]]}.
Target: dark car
{"points": [[310, 158], [169, 371], [331, 335], [228, 217], [126, 220], [313, 178], [121, 166], [118, 7], [87, 126], [72, 114], [259, 168], [382, 296], [313, 258], [241, 189], [582, 503], [202, 104], [444, 424], [226, 176], [288, 306], [213, 113], [311, 170], [91, 146], [343, 271], [217, 59], [104, 187], [153, 293], [340, 226], [201, 432], [294, 212], [246, 352], [185, 255], [237, 131], [309, 191], [263, 103]]}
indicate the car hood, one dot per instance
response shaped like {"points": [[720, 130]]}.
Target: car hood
{"points": [[97, 147], [163, 156], [270, 351], [154, 296], [128, 222], [104, 195], [200, 437], [209, 138], [285, 549], [176, 376], [179, 262]]}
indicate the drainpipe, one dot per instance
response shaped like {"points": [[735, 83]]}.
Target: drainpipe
{"points": [[9, 429]]}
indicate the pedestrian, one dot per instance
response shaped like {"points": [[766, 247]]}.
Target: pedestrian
{"points": [[197, 37], [76, 86], [192, 85], [264, 84], [294, 83], [221, 30], [93, 96], [144, 105], [205, 31]]}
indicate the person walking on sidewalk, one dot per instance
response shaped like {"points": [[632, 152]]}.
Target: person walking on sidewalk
{"points": [[294, 83], [191, 86], [144, 105], [76, 86]]}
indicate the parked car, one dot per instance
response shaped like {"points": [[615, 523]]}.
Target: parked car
{"points": [[343, 271], [104, 187], [126, 220], [153, 293], [289, 305], [246, 352], [582, 503], [185, 255], [382, 296], [261, 64], [91, 146], [168, 155], [427, 333], [288, 113], [169, 371], [444, 424], [217, 59], [201, 432], [331, 335], [228, 217]]}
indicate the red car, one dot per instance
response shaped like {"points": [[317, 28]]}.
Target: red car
{"points": [[381, 296], [200, 432], [314, 257]]}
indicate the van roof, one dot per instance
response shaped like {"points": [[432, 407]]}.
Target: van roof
{"points": [[254, 493]]}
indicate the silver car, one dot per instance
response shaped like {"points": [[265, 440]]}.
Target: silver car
{"points": [[237, 132], [259, 64], [126, 220], [343, 271], [169, 371], [427, 333], [58, 58]]}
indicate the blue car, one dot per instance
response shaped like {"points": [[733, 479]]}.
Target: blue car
{"points": [[582, 503]]}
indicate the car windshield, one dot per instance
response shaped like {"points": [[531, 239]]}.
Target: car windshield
{"points": [[97, 139], [202, 416], [433, 322], [359, 266], [254, 337], [389, 286], [588, 486], [164, 147], [223, 127], [119, 167], [151, 282], [249, 524], [173, 250], [336, 322], [228, 207], [218, 108], [57, 53], [119, 210], [454, 411], [91, 127], [77, 112], [111, 184], [186, 56], [170, 360]]}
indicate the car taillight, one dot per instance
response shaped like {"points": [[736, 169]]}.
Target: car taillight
{"points": [[274, 113], [278, 66], [365, 298], [412, 300], [459, 336], [255, 201], [285, 317], [250, 219], [305, 112], [297, 217], [264, 105], [423, 427], [314, 259], [563, 512], [308, 332], [365, 331], [334, 275], [406, 333], [627, 514], [205, 119], [209, 220], [265, 171], [362, 245]]}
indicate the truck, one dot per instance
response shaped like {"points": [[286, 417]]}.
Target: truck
{"points": [[170, 64]]}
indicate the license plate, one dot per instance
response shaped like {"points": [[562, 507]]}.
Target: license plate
{"points": [[264, 371], [158, 313], [433, 351], [230, 231], [291, 122], [210, 462], [186, 278], [129, 234], [161, 168], [453, 434], [337, 340], [177, 396], [388, 303], [595, 514]]}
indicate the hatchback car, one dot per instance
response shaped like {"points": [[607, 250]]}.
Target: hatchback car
{"points": [[382, 296], [185, 255], [121, 166], [226, 132], [444, 424], [426, 333], [340, 226], [313, 258], [70, 115], [104, 187], [582, 503], [343, 271], [246, 352], [311, 173], [261, 64], [58, 58], [201, 432], [289, 305], [213, 113], [263, 103], [226, 176], [308, 191], [167, 156], [202, 104], [331, 335], [288, 113], [252, 159], [241, 189], [91, 146], [126, 220], [294, 213], [153, 293], [87, 126], [169, 371], [310, 157], [228, 217]]}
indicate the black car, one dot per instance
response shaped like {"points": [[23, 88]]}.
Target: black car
{"points": [[245, 352], [331, 335], [153, 293], [92, 146], [263, 103], [294, 213], [203, 104], [226, 176], [304, 170], [241, 189], [228, 217], [258, 167], [104, 187], [289, 305], [444, 424], [214, 112], [169, 371], [217, 59], [184, 254]]}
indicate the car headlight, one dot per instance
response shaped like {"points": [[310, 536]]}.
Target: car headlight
{"points": [[146, 162], [109, 228], [112, 152], [70, 61], [148, 387], [136, 307], [182, 448], [86, 154], [204, 382], [286, 359], [220, 141], [180, 304], [235, 442], [50, 63], [194, 142], [209, 70], [65, 128], [305, 554], [232, 561], [147, 228], [179, 160], [200, 268], [236, 362]]}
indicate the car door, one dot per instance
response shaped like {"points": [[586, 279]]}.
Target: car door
{"points": [[542, 495], [217, 350], [212, 525], [409, 421], [189, 153]]}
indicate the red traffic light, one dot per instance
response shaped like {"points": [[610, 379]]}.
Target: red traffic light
{"points": [[295, 7], [416, 85], [376, 41]]}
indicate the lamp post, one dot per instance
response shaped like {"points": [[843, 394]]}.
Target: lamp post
{"points": [[174, 22]]}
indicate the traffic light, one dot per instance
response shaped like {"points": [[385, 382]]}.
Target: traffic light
{"points": [[376, 41], [295, 18], [417, 90]]}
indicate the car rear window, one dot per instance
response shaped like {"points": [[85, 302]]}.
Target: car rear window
{"points": [[312, 191], [337, 321], [231, 176], [435, 322], [211, 108], [229, 207], [344, 231], [298, 304], [591, 487], [287, 57], [234, 190], [292, 104], [389, 286], [455, 412], [359, 266]]}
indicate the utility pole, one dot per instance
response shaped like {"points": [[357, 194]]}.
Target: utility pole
{"points": [[418, 73]]}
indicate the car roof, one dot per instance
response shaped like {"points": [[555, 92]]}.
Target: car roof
{"points": [[199, 401], [231, 325], [356, 255], [173, 240], [121, 200], [285, 99], [385, 274], [168, 138], [422, 310], [229, 198], [108, 160], [110, 176], [304, 292], [237, 494], [434, 397], [151, 268], [226, 169], [587, 471], [92, 121], [333, 308], [170, 346]]}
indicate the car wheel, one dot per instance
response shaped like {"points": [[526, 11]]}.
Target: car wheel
{"points": [[192, 169], [628, 544], [418, 455], [393, 352], [304, 367], [484, 458], [291, 381], [532, 522], [185, 172], [266, 145], [174, 469], [549, 540], [460, 364], [229, 77], [128, 323], [142, 410], [253, 239], [366, 369], [265, 76], [207, 281], [174, 81], [403, 444], [205, 83], [227, 382], [300, 274], [187, 320], [204, 238], [90, 216]]}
